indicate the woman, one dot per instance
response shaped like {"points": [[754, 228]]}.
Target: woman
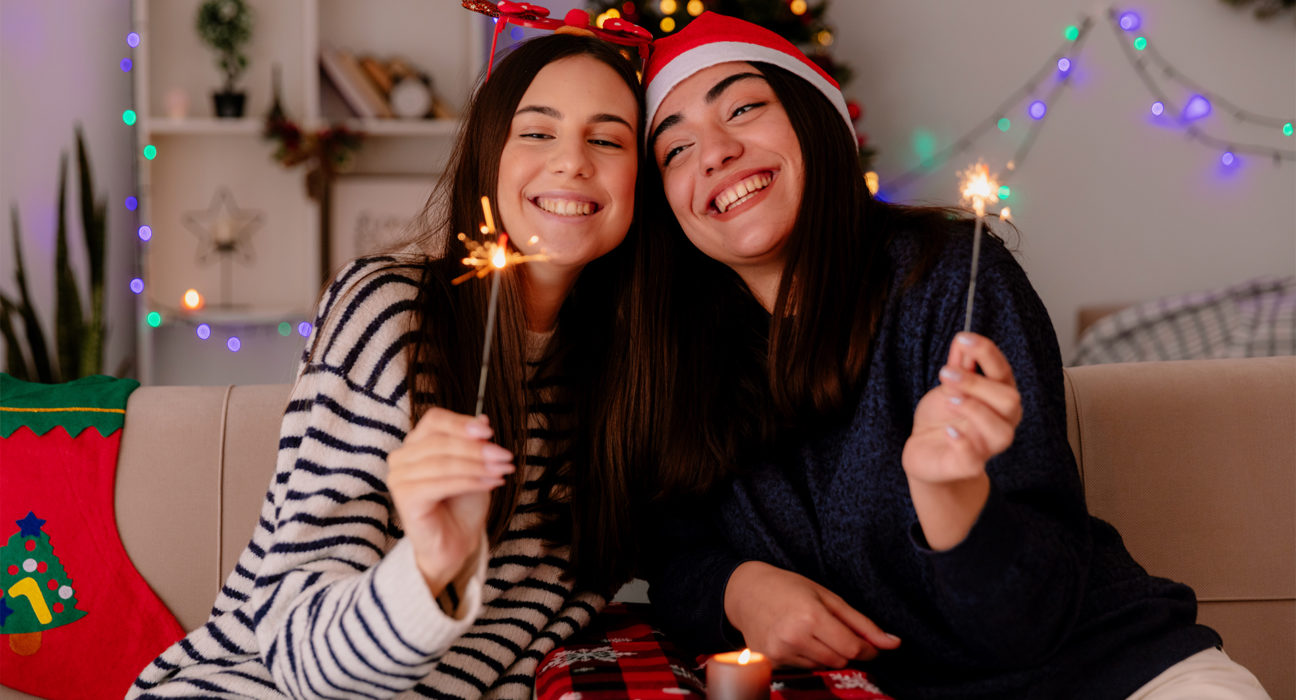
{"points": [[904, 493], [405, 548]]}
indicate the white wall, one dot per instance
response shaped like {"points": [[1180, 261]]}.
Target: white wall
{"points": [[1111, 209], [59, 65]]}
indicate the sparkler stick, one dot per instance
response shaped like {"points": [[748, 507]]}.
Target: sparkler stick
{"points": [[492, 257], [978, 188]]}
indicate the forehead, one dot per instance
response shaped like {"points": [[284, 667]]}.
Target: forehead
{"points": [[582, 81], [692, 91]]}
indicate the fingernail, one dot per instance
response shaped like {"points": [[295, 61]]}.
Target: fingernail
{"points": [[478, 430], [950, 431], [494, 453], [892, 637], [965, 338], [499, 468], [950, 374], [956, 400]]}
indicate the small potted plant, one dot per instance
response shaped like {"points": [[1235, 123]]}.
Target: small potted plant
{"points": [[226, 26]]}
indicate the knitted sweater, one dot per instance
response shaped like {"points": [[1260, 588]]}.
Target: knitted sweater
{"points": [[1040, 600], [326, 601]]}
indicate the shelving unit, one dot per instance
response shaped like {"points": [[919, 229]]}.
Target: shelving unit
{"points": [[199, 155]]}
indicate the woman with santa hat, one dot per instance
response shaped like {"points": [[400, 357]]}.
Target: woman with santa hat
{"points": [[849, 475]]}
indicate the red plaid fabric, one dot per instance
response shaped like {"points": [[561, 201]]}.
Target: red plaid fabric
{"points": [[622, 657]]}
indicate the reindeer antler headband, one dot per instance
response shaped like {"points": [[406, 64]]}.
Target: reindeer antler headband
{"points": [[526, 14]]}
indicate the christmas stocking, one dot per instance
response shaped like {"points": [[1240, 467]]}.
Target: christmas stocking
{"points": [[76, 619]]}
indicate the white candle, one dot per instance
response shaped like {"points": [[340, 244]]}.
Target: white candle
{"points": [[736, 675]]}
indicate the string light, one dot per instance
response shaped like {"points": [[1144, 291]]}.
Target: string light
{"points": [[1130, 21], [695, 7], [1287, 129], [285, 328], [668, 7], [234, 344], [798, 7], [128, 117], [1228, 159], [132, 40], [145, 233], [1004, 124], [154, 319], [137, 285], [131, 203], [1064, 64], [1201, 103], [1071, 33], [304, 329], [203, 330], [1037, 109], [192, 300], [125, 65], [667, 25], [150, 151]]}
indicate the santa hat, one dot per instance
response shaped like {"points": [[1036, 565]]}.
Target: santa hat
{"points": [[711, 39]]}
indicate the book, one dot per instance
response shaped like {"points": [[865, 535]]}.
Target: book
{"points": [[344, 71]]}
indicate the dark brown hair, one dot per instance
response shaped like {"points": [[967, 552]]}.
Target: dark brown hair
{"points": [[744, 381], [578, 362]]}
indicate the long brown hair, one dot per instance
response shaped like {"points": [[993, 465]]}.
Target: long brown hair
{"points": [[579, 361], [743, 381]]}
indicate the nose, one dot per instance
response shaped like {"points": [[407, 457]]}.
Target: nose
{"points": [[717, 147], [570, 157]]}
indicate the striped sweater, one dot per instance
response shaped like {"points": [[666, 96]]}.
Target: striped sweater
{"points": [[326, 600]]}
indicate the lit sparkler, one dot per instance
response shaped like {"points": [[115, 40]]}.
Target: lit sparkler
{"points": [[492, 256], [979, 187]]}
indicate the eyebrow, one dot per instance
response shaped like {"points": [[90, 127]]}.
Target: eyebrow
{"points": [[711, 96], [601, 117]]}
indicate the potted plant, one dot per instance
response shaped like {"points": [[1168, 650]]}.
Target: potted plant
{"points": [[226, 26]]}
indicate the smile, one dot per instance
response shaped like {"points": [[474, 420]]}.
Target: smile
{"points": [[742, 191], [566, 207]]}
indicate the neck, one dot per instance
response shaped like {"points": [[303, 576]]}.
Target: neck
{"points": [[763, 283], [546, 289]]}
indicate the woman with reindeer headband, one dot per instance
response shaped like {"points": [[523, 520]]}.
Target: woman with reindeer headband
{"points": [[852, 477], [406, 547]]}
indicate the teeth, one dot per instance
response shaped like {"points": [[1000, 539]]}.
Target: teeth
{"points": [[742, 191], [565, 207]]}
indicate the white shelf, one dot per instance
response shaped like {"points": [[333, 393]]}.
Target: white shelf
{"points": [[404, 127], [206, 126]]}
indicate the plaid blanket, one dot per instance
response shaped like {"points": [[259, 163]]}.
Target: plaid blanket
{"points": [[1254, 319], [621, 656]]}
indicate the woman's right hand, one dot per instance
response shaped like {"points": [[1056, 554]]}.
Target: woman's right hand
{"points": [[440, 480], [796, 622]]}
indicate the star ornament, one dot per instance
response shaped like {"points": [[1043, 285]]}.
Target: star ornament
{"points": [[223, 229], [30, 526]]}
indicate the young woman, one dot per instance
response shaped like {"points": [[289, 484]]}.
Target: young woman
{"points": [[404, 547], [902, 493]]}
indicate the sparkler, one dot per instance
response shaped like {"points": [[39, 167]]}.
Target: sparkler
{"points": [[979, 187], [491, 257]]}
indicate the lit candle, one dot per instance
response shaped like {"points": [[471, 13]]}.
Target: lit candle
{"points": [[736, 675]]}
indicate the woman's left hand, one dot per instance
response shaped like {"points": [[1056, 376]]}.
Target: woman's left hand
{"points": [[958, 426]]}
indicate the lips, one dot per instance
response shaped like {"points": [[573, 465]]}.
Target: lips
{"points": [[566, 206], [741, 191]]}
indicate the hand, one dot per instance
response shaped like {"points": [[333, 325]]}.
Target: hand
{"points": [[958, 426], [440, 480], [796, 622]]}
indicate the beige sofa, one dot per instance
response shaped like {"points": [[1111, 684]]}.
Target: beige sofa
{"points": [[1194, 462]]}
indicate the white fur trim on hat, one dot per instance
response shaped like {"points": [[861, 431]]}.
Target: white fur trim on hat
{"points": [[707, 55]]}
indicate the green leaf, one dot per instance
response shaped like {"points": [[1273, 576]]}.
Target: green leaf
{"points": [[15, 363], [94, 228], [37, 349], [68, 320]]}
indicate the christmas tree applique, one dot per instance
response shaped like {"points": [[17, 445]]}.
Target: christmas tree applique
{"points": [[36, 594]]}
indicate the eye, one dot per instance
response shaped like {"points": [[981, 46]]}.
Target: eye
{"points": [[670, 155], [746, 108], [534, 135], [604, 142]]}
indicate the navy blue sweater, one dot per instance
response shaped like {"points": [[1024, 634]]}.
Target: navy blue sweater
{"points": [[1040, 600]]}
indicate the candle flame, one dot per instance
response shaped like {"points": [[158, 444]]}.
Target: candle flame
{"points": [[745, 657], [979, 187]]}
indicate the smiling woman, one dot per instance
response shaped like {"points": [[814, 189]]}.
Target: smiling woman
{"points": [[847, 478], [404, 545]]}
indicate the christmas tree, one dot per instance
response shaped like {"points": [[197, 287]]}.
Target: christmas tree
{"points": [[35, 592], [799, 21]]}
